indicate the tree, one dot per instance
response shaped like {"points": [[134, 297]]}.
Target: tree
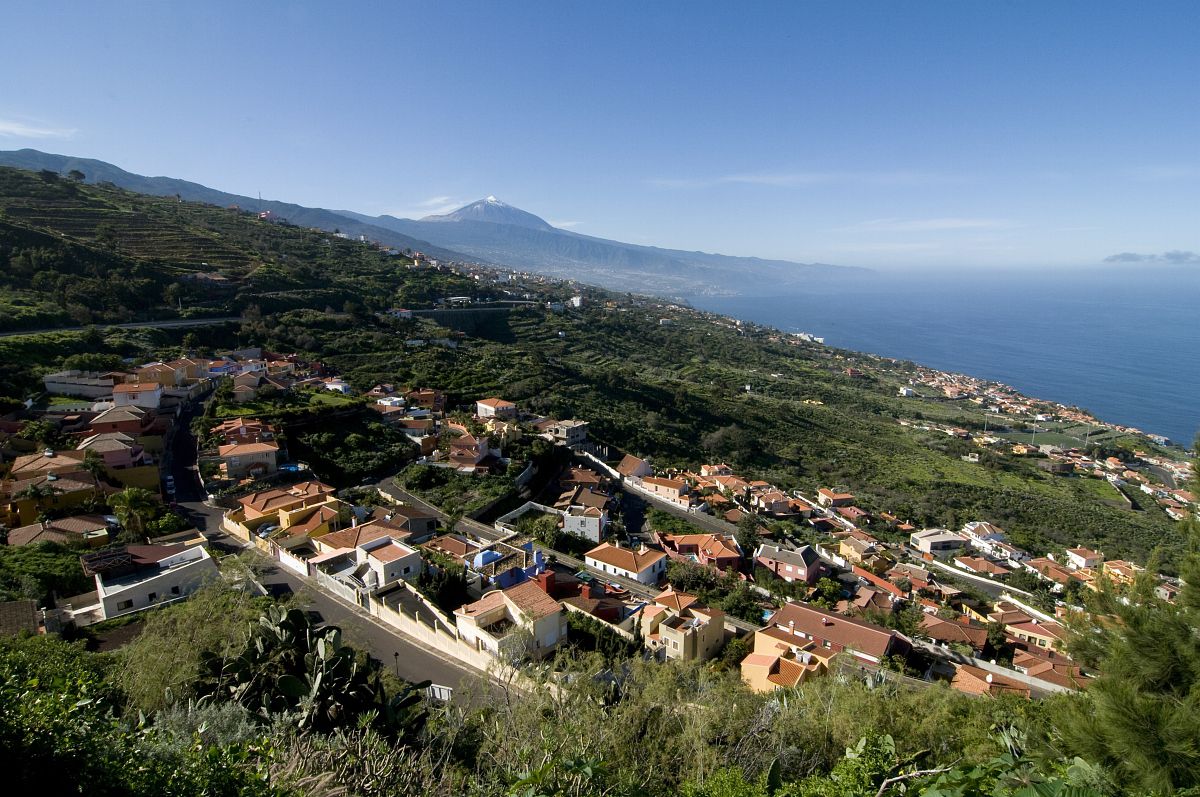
{"points": [[1139, 718], [135, 507], [76, 176], [93, 464], [747, 536]]}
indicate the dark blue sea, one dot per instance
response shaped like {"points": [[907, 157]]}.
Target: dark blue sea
{"points": [[1123, 345]]}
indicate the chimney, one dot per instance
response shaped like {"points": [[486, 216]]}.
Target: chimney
{"points": [[545, 580]]}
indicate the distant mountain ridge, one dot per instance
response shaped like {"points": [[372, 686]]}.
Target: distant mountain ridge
{"points": [[97, 171], [493, 232]]}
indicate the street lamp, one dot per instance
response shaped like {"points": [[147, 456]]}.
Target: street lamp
{"points": [[396, 662]]}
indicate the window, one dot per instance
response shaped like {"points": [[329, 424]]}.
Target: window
{"points": [[152, 597], [174, 590], [123, 605]]}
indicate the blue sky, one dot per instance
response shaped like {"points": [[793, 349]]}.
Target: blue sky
{"points": [[880, 134]]}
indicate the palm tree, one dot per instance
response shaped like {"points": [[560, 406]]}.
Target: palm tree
{"points": [[134, 507], [93, 463]]}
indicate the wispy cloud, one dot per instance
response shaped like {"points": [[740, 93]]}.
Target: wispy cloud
{"points": [[564, 225], [15, 128], [787, 179], [1174, 257], [1166, 172], [943, 224]]}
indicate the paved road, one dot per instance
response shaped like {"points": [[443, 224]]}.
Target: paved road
{"points": [[182, 323]]}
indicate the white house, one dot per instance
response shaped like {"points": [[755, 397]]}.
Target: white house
{"points": [[1079, 558], [135, 577], [643, 565], [147, 395], [495, 408], [937, 542], [585, 521], [520, 622], [337, 385], [389, 561]]}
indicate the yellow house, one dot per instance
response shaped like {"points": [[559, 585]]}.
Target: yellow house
{"points": [[781, 661], [21, 501]]}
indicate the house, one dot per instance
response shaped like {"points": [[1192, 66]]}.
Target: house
{"points": [[519, 622], [643, 565], [28, 466], [719, 469], [937, 542], [426, 398], [1122, 572], [835, 633], [633, 468], [674, 490], [253, 460], [963, 631], [417, 522], [854, 514], [829, 498], [1083, 557], [147, 395], [351, 538], [980, 566], [802, 564], [718, 551], [1050, 570], [244, 430], [773, 502], [468, 451], [162, 373], [131, 420], [585, 521], [780, 660], [116, 449], [677, 626], [1038, 633], [979, 531], [89, 530], [569, 433], [495, 408], [388, 561], [337, 385], [267, 503], [23, 499], [857, 550], [135, 577], [1050, 666], [976, 681]]}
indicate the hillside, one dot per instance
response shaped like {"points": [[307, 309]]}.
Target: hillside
{"points": [[73, 254], [488, 231], [97, 171]]}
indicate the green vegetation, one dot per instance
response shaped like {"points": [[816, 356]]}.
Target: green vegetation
{"points": [[454, 491], [40, 570]]}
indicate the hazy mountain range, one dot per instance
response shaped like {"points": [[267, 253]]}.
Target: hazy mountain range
{"points": [[492, 232]]}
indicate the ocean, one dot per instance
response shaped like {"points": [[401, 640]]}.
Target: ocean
{"points": [[1124, 345]]}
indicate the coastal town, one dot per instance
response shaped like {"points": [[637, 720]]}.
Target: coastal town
{"points": [[584, 541]]}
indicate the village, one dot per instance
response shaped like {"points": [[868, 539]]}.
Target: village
{"points": [[704, 564]]}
